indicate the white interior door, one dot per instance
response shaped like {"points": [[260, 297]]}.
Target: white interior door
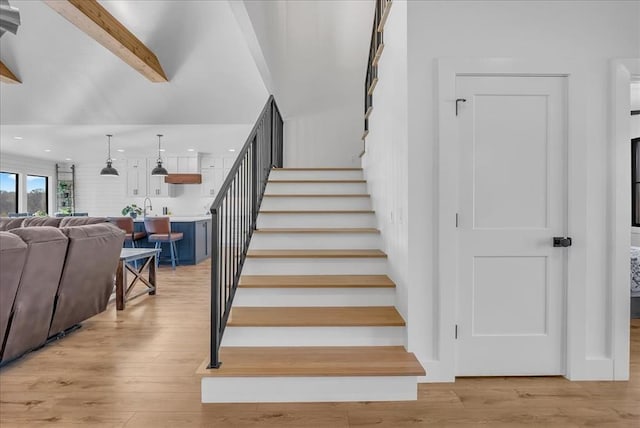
{"points": [[512, 140]]}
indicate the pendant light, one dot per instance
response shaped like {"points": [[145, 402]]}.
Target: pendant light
{"points": [[159, 169], [108, 170]]}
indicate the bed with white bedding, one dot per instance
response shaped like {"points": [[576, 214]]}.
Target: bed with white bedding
{"points": [[635, 282]]}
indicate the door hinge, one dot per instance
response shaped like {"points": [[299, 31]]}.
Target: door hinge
{"points": [[456, 333], [457, 220]]}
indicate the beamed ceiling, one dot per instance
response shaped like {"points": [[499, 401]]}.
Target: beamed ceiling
{"points": [[74, 89]]}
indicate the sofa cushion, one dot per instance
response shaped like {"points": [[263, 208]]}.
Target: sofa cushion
{"points": [[34, 302], [41, 221], [87, 280], [8, 223], [80, 221], [13, 252]]}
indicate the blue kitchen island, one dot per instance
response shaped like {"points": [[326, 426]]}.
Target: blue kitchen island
{"points": [[195, 245]]}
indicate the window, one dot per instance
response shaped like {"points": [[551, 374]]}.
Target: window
{"points": [[8, 193], [635, 182], [37, 194]]}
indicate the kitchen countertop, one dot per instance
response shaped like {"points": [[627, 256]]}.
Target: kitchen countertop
{"points": [[178, 218]]}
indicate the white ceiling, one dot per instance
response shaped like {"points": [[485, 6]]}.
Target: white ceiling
{"points": [[316, 51], [74, 90]]}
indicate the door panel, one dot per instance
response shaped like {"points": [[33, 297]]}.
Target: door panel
{"points": [[504, 150], [512, 203]]}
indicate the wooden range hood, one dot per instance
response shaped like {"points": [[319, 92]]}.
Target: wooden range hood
{"points": [[183, 179]]}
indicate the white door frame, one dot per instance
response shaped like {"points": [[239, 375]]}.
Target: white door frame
{"points": [[622, 72], [447, 152]]}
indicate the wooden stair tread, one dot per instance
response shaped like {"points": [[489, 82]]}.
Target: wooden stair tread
{"points": [[314, 361], [315, 281], [317, 195], [317, 169], [317, 212], [316, 181], [315, 254], [316, 316], [318, 230]]}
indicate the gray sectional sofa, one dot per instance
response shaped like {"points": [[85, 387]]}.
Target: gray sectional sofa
{"points": [[54, 274]]}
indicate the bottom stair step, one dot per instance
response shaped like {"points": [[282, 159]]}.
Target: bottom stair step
{"points": [[311, 374], [316, 361]]}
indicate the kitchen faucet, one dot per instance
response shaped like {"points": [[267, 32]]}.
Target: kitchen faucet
{"points": [[145, 206]]}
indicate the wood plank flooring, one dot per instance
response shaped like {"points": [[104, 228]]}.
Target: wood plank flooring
{"points": [[137, 368]]}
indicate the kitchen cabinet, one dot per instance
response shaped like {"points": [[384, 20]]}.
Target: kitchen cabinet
{"points": [[157, 187], [188, 165], [202, 238], [213, 171], [137, 177], [212, 179]]}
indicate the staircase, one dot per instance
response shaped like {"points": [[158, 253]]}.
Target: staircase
{"points": [[313, 318]]}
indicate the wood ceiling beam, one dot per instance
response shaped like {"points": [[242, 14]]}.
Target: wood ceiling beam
{"points": [[93, 19], [6, 76]]}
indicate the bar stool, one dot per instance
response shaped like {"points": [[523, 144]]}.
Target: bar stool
{"points": [[126, 224], [159, 231]]}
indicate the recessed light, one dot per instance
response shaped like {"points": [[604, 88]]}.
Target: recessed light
{"points": [[120, 150], [191, 150], [232, 150], [68, 159], [162, 150], [17, 137], [47, 150]]}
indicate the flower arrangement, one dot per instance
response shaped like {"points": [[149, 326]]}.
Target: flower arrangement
{"points": [[133, 210]]}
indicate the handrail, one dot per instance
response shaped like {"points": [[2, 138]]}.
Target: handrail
{"points": [[375, 49], [234, 213]]}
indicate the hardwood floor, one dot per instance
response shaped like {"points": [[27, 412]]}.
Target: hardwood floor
{"points": [[137, 368]]}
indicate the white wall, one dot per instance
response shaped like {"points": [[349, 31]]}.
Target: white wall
{"points": [[591, 32], [106, 196], [386, 160], [24, 166], [312, 55], [324, 138]]}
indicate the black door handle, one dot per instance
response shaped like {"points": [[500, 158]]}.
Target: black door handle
{"points": [[560, 241]]}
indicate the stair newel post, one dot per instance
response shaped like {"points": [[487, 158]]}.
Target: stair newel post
{"points": [[215, 291]]}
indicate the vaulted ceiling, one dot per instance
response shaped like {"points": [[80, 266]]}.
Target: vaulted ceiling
{"points": [[69, 80], [74, 90]]}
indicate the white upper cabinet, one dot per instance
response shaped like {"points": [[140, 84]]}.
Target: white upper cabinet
{"points": [[137, 177]]}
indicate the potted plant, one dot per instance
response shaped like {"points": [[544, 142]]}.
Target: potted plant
{"points": [[133, 210]]}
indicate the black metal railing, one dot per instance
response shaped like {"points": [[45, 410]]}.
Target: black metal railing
{"points": [[234, 213], [375, 50]]}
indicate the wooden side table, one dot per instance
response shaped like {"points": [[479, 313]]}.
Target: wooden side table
{"points": [[123, 287]]}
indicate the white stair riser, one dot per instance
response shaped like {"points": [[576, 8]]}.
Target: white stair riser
{"points": [[315, 241], [313, 336], [315, 188], [277, 174], [314, 297], [308, 389], [355, 266], [317, 203], [316, 220]]}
